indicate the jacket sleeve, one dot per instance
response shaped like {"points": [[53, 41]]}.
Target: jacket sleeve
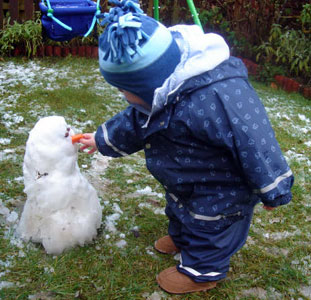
{"points": [[238, 121], [122, 134]]}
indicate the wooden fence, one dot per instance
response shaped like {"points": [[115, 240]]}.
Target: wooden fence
{"points": [[23, 10]]}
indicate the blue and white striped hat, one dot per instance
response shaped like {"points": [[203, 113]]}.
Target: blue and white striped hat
{"points": [[136, 53]]}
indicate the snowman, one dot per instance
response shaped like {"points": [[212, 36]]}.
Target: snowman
{"points": [[62, 209]]}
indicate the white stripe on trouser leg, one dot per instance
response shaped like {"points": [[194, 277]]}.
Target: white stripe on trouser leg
{"points": [[196, 273], [106, 138]]}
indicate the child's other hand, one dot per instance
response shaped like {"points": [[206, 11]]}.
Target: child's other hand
{"points": [[88, 141], [268, 207]]}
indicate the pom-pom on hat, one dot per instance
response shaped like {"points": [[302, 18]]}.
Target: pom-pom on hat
{"points": [[136, 53]]}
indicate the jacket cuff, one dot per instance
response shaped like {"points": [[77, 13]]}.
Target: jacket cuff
{"points": [[282, 200], [104, 146]]}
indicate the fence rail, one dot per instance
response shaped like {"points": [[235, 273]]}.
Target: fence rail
{"points": [[23, 10]]}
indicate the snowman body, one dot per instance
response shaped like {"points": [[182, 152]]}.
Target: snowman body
{"points": [[62, 209]]}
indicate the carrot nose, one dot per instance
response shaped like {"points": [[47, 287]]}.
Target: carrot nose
{"points": [[76, 138]]}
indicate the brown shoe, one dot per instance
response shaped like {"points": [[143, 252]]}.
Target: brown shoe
{"points": [[166, 245], [175, 282]]}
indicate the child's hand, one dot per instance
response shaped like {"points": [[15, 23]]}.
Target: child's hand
{"points": [[88, 141], [268, 207]]}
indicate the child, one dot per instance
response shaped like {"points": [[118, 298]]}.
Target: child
{"points": [[206, 136]]}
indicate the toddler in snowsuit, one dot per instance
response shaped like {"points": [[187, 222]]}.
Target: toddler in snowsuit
{"points": [[206, 136]]}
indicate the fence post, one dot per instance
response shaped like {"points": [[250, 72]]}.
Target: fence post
{"points": [[13, 11], [28, 6], [37, 5], [1, 14]]}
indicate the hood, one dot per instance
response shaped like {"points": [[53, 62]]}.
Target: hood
{"points": [[200, 53]]}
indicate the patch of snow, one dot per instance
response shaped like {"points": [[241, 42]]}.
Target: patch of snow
{"points": [[121, 244], [6, 284], [12, 217], [21, 253], [156, 210], [149, 251], [281, 235], [4, 210], [299, 157], [7, 154], [5, 141], [111, 222], [257, 292], [154, 296], [303, 265], [18, 179], [277, 251], [306, 291], [303, 118], [116, 208], [148, 191], [49, 270], [308, 144]]}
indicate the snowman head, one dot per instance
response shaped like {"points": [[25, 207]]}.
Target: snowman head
{"points": [[49, 144]]}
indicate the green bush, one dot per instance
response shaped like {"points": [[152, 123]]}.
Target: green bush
{"points": [[27, 35], [289, 48], [305, 18], [267, 72]]}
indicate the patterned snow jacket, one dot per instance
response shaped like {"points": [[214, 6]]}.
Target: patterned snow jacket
{"points": [[210, 144]]}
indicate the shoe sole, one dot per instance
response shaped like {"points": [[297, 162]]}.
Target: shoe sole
{"points": [[185, 292], [163, 252]]}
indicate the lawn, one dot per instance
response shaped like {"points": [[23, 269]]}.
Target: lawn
{"points": [[121, 263]]}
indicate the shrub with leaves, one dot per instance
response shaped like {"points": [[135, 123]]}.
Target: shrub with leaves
{"points": [[305, 18], [267, 72], [10, 36], [28, 35], [290, 48], [213, 20], [32, 36]]}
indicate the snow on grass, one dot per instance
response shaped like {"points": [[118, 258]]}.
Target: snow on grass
{"points": [[148, 191], [28, 74], [5, 141], [156, 210], [112, 220], [7, 154], [284, 112], [5, 284]]}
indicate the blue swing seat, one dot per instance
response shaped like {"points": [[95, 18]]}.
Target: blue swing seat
{"points": [[76, 17]]}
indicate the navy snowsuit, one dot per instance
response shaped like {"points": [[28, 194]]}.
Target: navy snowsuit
{"points": [[212, 148]]}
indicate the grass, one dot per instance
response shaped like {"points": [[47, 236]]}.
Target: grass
{"points": [[274, 262]]}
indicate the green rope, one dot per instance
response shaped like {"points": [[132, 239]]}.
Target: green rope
{"points": [[50, 14], [97, 13]]}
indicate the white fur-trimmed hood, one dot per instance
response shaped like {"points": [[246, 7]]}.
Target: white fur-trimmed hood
{"points": [[200, 53]]}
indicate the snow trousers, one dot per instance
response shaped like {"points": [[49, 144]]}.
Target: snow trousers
{"points": [[206, 244]]}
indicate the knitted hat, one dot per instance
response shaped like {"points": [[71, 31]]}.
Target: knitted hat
{"points": [[136, 53]]}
